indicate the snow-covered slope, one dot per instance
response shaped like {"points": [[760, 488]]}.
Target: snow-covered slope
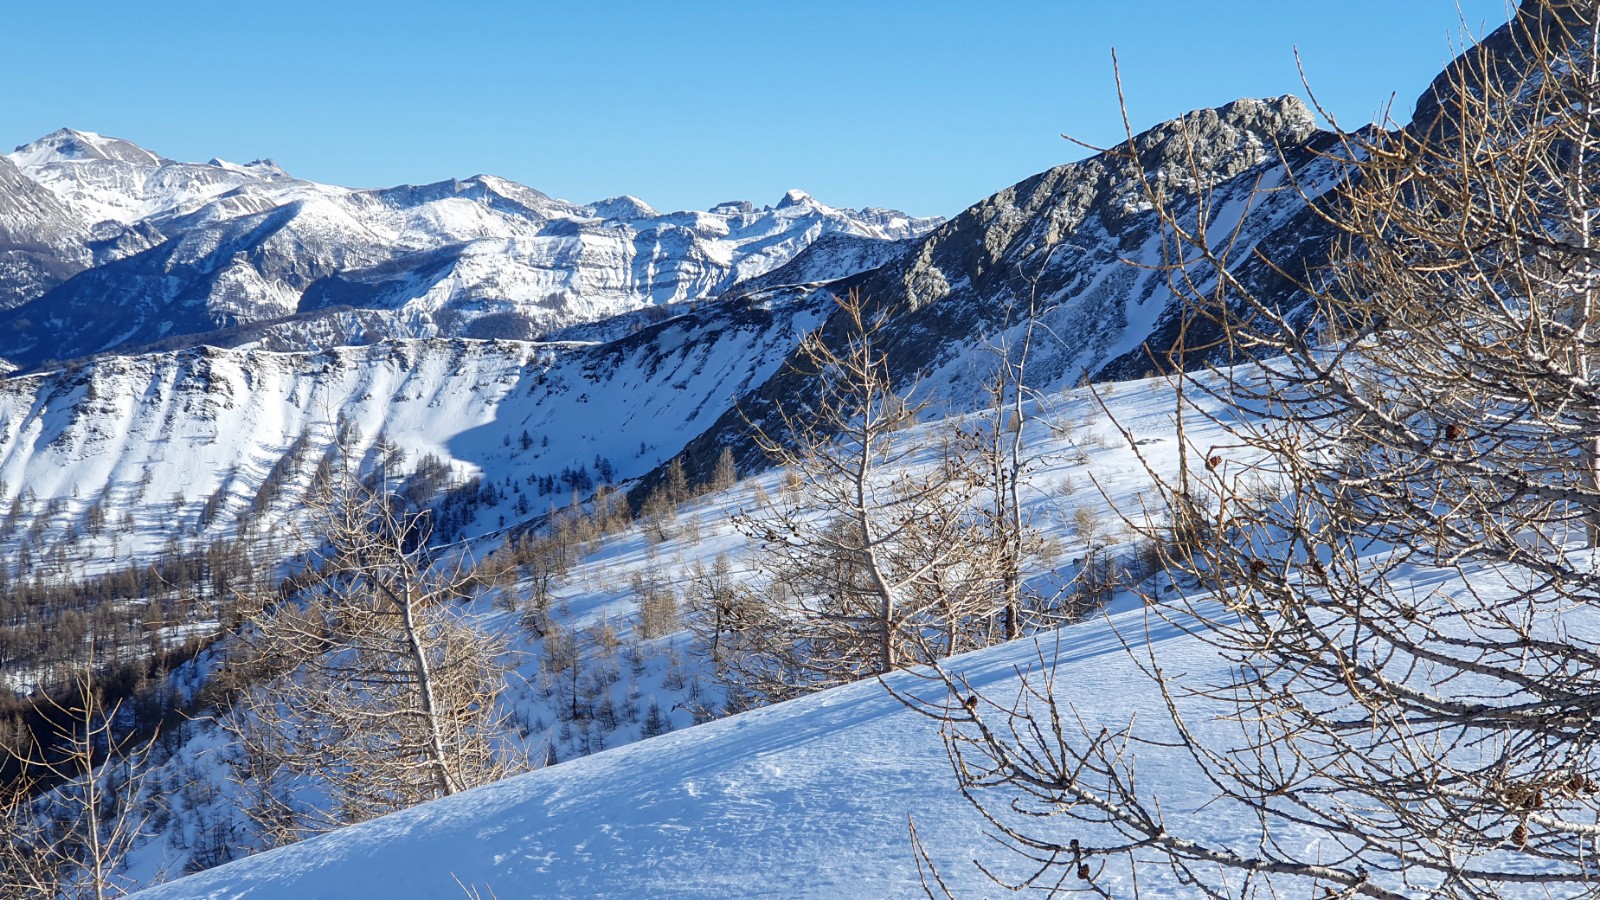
{"points": [[813, 798], [183, 249], [203, 805], [810, 798], [41, 242], [182, 445]]}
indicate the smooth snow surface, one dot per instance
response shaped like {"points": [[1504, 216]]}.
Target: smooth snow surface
{"points": [[807, 798]]}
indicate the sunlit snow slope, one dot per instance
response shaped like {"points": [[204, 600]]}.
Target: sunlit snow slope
{"points": [[809, 798], [813, 797]]}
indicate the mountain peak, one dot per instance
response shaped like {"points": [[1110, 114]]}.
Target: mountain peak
{"points": [[264, 168], [1224, 140], [794, 197], [733, 208], [67, 144], [625, 207]]}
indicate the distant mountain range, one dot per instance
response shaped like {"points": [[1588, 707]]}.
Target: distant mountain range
{"points": [[107, 246]]}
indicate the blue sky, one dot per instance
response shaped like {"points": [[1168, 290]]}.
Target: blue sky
{"points": [[927, 106]]}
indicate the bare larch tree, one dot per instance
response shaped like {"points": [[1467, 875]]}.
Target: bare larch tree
{"points": [[1433, 408], [69, 821], [872, 555], [381, 694]]}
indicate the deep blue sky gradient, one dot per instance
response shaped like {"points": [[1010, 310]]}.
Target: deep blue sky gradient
{"points": [[924, 105]]}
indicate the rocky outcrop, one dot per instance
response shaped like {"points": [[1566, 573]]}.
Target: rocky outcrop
{"points": [[41, 242], [1082, 243]]}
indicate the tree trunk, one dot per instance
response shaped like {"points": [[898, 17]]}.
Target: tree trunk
{"points": [[430, 707]]}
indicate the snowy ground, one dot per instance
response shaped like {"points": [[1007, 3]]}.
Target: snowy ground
{"points": [[810, 797], [807, 798]]}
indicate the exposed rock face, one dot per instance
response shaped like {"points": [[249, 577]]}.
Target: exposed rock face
{"points": [[1082, 242], [1073, 239], [1501, 58], [217, 251], [41, 242]]}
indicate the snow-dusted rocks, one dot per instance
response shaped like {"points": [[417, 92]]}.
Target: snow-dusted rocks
{"points": [[42, 243], [1080, 244]]}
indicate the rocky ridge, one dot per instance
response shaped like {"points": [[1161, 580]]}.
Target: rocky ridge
{"points": [[1082, 244]]}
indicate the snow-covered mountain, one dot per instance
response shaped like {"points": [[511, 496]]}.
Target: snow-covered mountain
{"points": [[42, 243], [628, 377], [189, 444], [110, 246], [107, 181], [660, 336]]}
